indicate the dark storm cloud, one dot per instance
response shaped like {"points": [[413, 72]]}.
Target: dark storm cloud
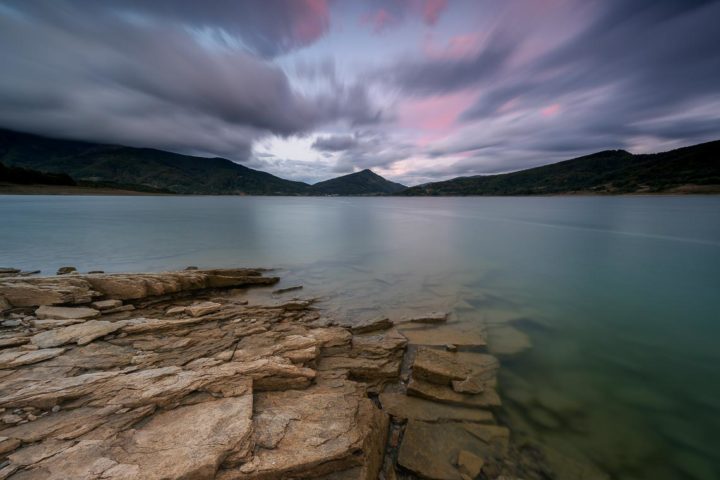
{"points": [[95, 71], [267, 27], [371, 149], [334, 143]]}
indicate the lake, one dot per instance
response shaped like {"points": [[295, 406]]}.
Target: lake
{"points": [[603, 310]]}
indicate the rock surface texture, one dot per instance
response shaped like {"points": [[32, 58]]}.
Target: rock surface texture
{"points": [[176, 376]]}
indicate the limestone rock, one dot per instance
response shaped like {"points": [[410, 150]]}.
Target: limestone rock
{"points": [[332, 429], [81, 333], [431, 450], [66, 313], [433, 317], [4, 304], [33, 292], [443, 394], [106, 304], [190, 442], [469, 464], [204, 308], [239, 391], [402, 406], [17, 358], [438, 367], [370, 325]]}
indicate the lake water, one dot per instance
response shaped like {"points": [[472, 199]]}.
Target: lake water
{"points": [[604, 310]]}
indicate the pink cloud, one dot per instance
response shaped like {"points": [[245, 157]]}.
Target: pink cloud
{"points": [[379, 20], [434, 116], [432, 9], [314, 21], [550, 110], [458, 46]]}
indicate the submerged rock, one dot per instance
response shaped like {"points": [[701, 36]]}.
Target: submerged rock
{"points": [[65, 270], [431, 318], [402, 406], [469, 464], [431, 450]]}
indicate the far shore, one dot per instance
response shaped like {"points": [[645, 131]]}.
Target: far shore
{"points": [[17, 189]]}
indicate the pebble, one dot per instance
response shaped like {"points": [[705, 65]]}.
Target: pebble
{"points": [[11, 419]]}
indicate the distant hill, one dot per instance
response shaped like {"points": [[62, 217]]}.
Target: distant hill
{"points": [[156, 169], [365, 182], [693, 169]]}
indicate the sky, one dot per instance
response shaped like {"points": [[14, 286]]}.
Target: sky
{"points": [[416, 90]]}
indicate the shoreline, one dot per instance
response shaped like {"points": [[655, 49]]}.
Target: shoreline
{"points": [[197, 342]]}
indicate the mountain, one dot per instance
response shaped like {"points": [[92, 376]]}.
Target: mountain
{"points": [[365, 182], [157, 169], [151, 170], [693, 169]]}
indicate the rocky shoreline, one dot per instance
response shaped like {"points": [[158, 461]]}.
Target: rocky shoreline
{"points": [[186, 375]]}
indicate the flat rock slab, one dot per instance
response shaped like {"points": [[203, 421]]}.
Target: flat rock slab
{"points": [[204, 308], [400, 405], [21, 357], [431, 450], [432, 317], [441, 335], [466, 370], [370, 325], [106, 304], [310, 433], [507, 340], [81, 333], [443, 394], [469, 464], [437, 366], [66, 313]]}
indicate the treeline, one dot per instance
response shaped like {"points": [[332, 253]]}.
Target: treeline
{"points": [[26, 176]]}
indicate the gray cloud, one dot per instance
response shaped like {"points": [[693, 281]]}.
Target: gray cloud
{"points": [[335, 143], [449, 74], [82, 70], [638, 61]]}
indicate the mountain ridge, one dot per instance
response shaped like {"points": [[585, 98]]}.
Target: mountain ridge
{"points": [[693, 169], [364, 182], [159, 170]]}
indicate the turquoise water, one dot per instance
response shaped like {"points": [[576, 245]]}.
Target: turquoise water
{"points": [[617, 296]]}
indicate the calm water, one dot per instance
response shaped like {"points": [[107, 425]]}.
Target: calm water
{"points": [[617, 296]]}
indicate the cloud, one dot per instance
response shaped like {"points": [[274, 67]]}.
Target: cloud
{"points": [[266, 28], [384, 14], [73, 71], [432, 9], [451, 73], [371, 149], [335, 143]]}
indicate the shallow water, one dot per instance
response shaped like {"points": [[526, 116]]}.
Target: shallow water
{"points": [[617, 296]]}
